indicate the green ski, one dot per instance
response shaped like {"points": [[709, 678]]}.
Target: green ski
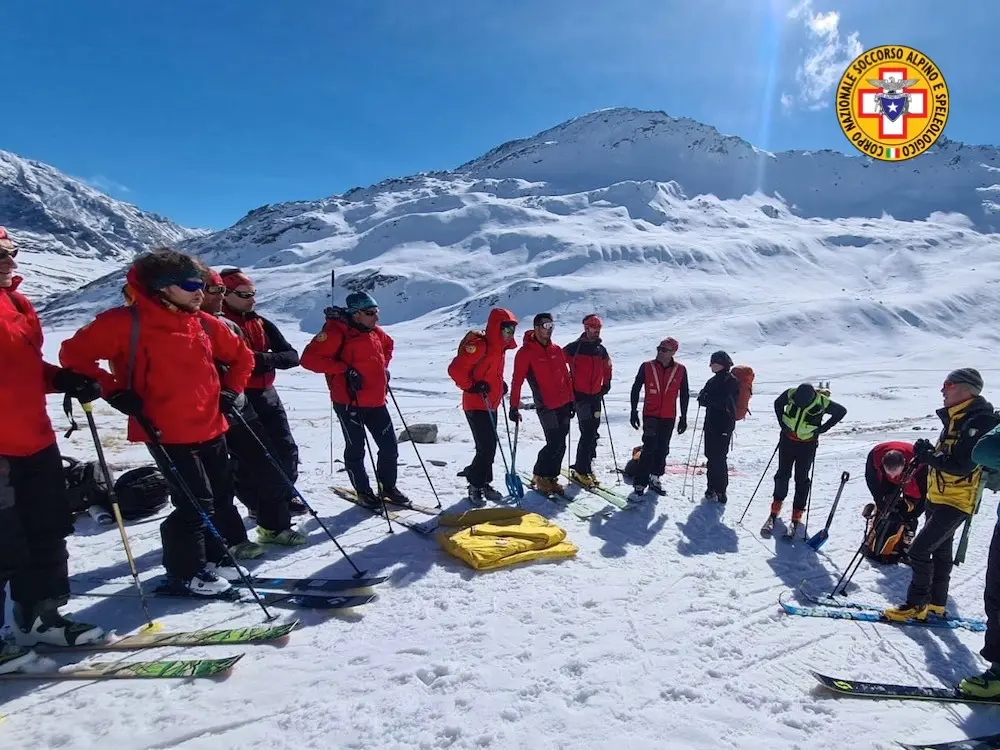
{"points": [[222, 637], [605, 494], [148, 670], [583, 507]]}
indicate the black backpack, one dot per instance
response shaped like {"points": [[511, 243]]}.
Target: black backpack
{"points": [[85, 486], [141, 492]]}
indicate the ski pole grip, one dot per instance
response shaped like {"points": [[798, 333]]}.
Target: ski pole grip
{"points": [[845, 476]]}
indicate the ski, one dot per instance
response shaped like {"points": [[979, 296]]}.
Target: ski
{"points": [[863, 689], [825, 600], [311, 585], [425, 509], [222, 637], [874, 616], [992, 742], [607, 495], [421, 527], [106, 670], [581, 507], [301, 601]]}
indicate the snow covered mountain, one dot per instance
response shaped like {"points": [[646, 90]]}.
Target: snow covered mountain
{"points": [[69, 232], [642, 216]]}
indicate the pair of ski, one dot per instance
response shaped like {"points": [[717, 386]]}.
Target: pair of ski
{"points": [[421, 527], [828, 606], [595, 501]]}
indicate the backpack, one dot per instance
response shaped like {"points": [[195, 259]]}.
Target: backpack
{"points": [[85, 485], [744, 376], [141, 492]]}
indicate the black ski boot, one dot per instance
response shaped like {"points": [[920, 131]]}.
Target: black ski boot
{"points": [[492, 494], [396, 497]]}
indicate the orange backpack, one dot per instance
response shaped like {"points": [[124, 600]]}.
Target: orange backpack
{"points": [[744, 376]]}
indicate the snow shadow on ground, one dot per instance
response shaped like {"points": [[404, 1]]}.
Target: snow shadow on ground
{"points": [[633, 527], [705, 534]]}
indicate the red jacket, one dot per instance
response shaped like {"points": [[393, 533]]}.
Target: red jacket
{"points": [[270, 349], [481, 356], [340, 346], [876, 477], [175, 371], [590, 366], [662, 385], [25, 378], [546, 371]]}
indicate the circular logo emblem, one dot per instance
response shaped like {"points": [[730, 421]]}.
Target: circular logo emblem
{"points": [[892, 103]]}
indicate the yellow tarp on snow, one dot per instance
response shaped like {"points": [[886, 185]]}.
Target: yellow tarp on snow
{"points": [[497, 537]]}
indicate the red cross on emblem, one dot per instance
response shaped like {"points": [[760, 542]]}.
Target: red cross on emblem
{"points": [[887, 106]]}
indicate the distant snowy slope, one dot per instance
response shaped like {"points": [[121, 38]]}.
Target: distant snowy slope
{"points": [[441, 249], [69, 232]]}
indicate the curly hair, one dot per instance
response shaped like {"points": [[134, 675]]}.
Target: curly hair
{"points": [[162, 266]]}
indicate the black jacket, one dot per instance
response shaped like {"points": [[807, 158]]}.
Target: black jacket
{"points": [[718, 398]]}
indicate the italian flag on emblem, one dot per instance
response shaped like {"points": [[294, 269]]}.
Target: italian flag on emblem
{"points": [[892, 153]]}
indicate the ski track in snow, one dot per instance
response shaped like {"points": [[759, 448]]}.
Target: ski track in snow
{"points": [[664, 632]]}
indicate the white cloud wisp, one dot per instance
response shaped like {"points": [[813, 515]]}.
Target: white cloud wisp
{"points": [[826, 57]]}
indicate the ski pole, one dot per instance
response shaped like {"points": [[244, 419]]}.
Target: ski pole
{"points": [[413, 443], [281, 472], [88, 409], [701, 436], [168, 463], [331, 438], [611, 442], [687, 466], [513, 481], [371, 458], [759, 483], [809, 497]]}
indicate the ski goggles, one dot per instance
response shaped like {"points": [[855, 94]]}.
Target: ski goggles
{"points": [[215, 289], [548, 325], [508, 328], [188, 285]]}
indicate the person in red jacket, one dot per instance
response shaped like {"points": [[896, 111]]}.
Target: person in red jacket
{"points": [[163, 352], [590, 368], [478, 370], [893, 521], [353, 352], [35, 516], [271, 352], [257, 484], [664, 379], [543, 364]]}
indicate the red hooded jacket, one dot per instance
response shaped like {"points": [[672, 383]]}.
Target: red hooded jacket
{"points": [[25, 428], [340, 346], [175, 371], [590, 366], [547, 372], [878, 480], [481, 356]]}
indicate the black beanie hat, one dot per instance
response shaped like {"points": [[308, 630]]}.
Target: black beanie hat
{"points": [[968, 376], [721, 358]]}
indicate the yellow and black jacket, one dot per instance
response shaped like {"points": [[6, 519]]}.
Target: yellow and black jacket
{"points": [[953, 477], [804, 425]]}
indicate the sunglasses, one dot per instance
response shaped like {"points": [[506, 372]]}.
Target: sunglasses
{"points": [[664, 350], [371, 312], [508, 327], [245, 295], [548, 325], [5, 253], [214, 289], [190, 285]]}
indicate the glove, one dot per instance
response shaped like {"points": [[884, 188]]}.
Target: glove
{"points": [[515, 414], [701, 398], [78, 386], [480, 387], [572, 409], [682, 425], [263, 362], [126, 401], [922, 449], [634, 419], [868, 511], [230, 401], [353, 378], [605, 389], [822, 429], [505, 389], [388, 376]]}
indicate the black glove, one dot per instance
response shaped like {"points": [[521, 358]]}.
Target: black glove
{"points": [[263, 362], [572, 409], [480, 387], [701, 398], [230, 401], [388, 377], [868, 511], [515, 415], [634, 419], [922, 449], [822, 429], [80, 387], [505, 389], [353, 378], [605, 389], [126, 401], [682, 425]]}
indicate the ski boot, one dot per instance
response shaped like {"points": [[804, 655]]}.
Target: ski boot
{"points": [[638, 493], [14, 658], [296, 507], [709, 496], [396, 497], [584, 479], [547, 485], [226, 570], [43, 624], [986, 685], [246, 550], [492, 494], [768, 528], [721, 498], [793, 527], [206, 583], [655, 486], [906, 613], [477, 496], [285, 538], [370, 500]]}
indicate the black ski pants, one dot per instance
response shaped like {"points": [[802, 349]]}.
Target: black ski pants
{"points": [[800, 456], [353, 422], [555, 426], [588, 418], [716, 457], [656, 434], [205, 471], [479, 473], [257, 483], [271, 412], [35, 520], [991, 598], [931, 555]]}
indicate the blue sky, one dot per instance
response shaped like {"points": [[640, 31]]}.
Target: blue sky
{"points": [[204, 110]]}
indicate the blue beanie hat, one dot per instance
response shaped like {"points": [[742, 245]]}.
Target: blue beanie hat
{"points": [[358, 301]]}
